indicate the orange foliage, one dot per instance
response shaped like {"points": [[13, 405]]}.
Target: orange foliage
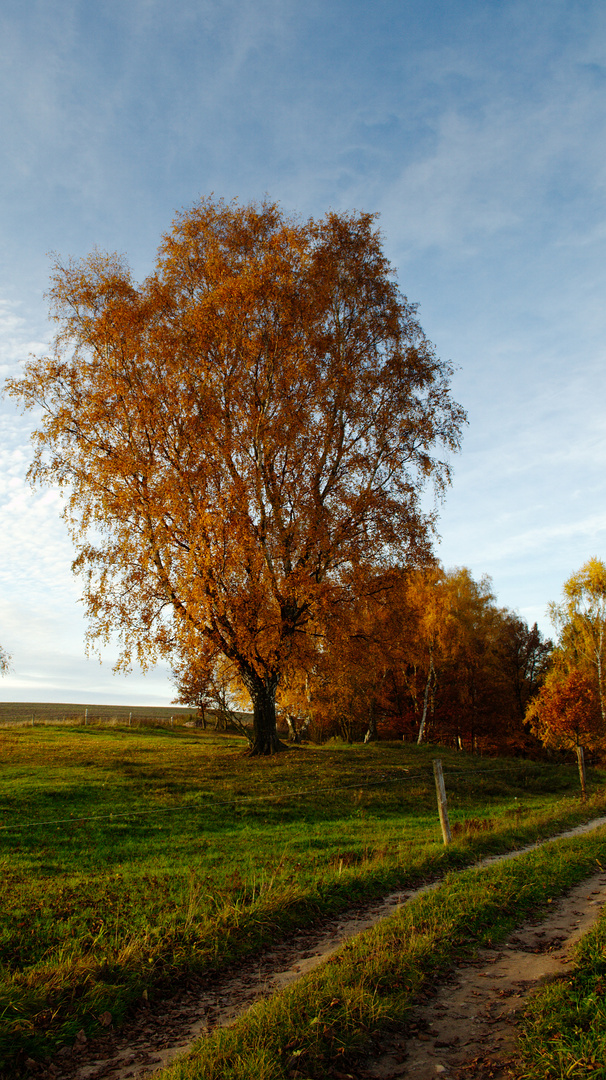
{"points": [[425, 652], [209, 680], [581, 620], [566, 712]]}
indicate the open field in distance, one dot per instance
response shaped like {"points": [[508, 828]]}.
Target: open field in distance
{"points": [[52, 713], [23, 712]]}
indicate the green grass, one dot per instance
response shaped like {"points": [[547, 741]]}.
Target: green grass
{"points": [[337, 1013], [130, 858], [564, 1027]]}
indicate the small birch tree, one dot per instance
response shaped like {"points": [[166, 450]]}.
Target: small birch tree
{"points": [[581, 621]]}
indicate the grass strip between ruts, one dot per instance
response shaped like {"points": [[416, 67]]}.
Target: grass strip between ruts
{"points": [[336, 1012], [564, 1025]]}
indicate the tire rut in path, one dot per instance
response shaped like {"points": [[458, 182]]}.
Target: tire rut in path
{"points": [[159, 1033]]}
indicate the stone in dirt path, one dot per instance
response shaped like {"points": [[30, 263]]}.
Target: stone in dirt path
{"points": [[467, 1029], [162, 1031]]}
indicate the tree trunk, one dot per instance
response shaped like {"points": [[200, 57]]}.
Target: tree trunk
{"points": [[297, 734], [265, 735], [600, 681], [430, 676], [582, 773], [372, 733], [293, 735]]}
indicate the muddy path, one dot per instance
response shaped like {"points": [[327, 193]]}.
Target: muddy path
{"points": [[469, 1022]]}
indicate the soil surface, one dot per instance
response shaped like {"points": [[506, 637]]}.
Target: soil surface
{"points": [[466, 1029]]}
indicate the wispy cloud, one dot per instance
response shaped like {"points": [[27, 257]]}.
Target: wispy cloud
{"points": [[15, 342]]}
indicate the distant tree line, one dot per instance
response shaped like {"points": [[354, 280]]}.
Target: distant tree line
{"points": [[424, 655]]}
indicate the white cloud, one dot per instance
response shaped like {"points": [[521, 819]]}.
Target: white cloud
{"points": [[15, 344]]}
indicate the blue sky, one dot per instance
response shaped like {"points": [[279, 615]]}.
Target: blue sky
{"points": [[476, 129]]}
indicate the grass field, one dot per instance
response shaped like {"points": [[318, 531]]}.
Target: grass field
{"points": [[131, 857]]}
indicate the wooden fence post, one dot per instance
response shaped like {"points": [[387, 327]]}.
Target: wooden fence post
{"points": [[442, 803], [582, 773]]}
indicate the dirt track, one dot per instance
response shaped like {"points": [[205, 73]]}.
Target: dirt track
{"points": [[468, 1028], [465, 1030]]}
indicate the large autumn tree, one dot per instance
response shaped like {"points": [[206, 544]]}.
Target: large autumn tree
{"points": [[240, 438]]}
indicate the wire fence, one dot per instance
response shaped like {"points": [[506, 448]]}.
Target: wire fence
{"points": [[139, 717], [130, 718], [407, 776], [231, 800]]}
